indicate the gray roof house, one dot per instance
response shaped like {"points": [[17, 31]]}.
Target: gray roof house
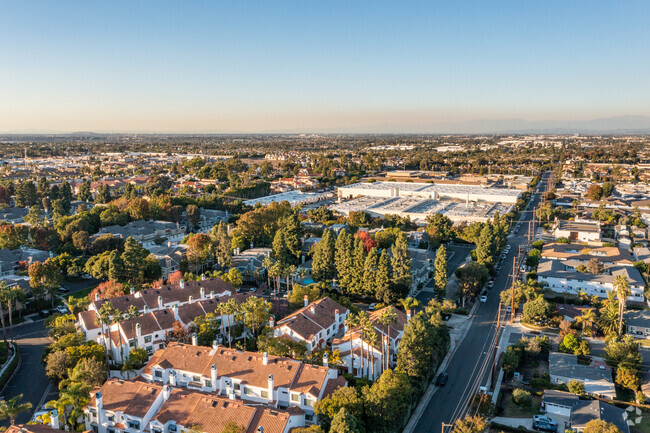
{"points": [[13, 215], [146, 232], [588, 410], [564, 367], [9, 259], [559, 402], [637, 323]]}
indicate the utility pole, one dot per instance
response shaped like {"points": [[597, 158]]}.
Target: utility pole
{"points": [[496, 346]]}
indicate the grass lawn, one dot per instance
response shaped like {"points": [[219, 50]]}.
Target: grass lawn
{"points": [[82, 293], [511, 410], [644, 342]]}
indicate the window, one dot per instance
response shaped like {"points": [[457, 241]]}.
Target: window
{"points": [[149, 350], [131, 343], [208, 383], [295, 398], [110, 430], [157, 430], [161, 346], [196, 378], [248, 391], [264, 394], [309, 402], [237, 387], [147, 339], [111, 418], [158, 374], [309, 417], [135, 425], [172, 427]]}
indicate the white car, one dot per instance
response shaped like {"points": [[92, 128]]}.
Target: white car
{"points": [[483, 298], [544, 418], [61, 309], [42, 411]]}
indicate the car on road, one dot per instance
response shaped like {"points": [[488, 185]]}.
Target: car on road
{"points": [[44, 313], [442, 379], [483, 298], [508, 309], [42, 411], [372, 306], [544, 418], [87, 277], [490, 284], [63, 289]]}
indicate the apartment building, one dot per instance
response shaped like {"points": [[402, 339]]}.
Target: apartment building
{"points": [[269, 380], [315, 324], [350, 345], [584, 253]]}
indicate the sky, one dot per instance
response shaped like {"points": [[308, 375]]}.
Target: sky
{"points": [[308, 65]]}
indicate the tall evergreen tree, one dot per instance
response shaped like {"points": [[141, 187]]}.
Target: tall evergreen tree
{"points": [[344, 422], [343, 258], [323, 265], [357, 270], [369, 276], [485, 245], [401, 264], [440, 277], [281, 252], [292, 232], [383, 278], [84, 191]]}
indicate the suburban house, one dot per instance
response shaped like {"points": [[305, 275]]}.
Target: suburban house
{"points": [[416, 239], [269, 380], [170, 257], [637, 323], [350, 345], [564, 367], [588, 410], [584, 253], [251, 260], [587, 231], [562, 277], [13, 215], [421, 266], [10, 259], [315, 324], [559, 402], [135, 406], [148, 233]]}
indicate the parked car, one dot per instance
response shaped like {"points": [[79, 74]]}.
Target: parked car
{"points": [[63, 289], [442, 379], [42, 411], [44, 313], [61, 309], [544, 418], [372, 306], [490, 284], [544, 426], [483, 298]]}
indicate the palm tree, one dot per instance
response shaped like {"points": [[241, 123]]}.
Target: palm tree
{"points": [[291, 273], [387, 317], [372, 338], [622, 288], [105, 314], [12, 408], [267, 263], [587, 319], [119, 317], [76, 305], [11, 295], [409, 304], [350, 323], [582, 297], [75, 396], [228, 309], [130, 315]]}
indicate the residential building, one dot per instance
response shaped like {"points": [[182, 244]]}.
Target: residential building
{"points": [[637, 323], [250, 260], [562, 277], [13, 215], [597, 379], [315, 324], [589, 410], [350, 345], [584, 253], [559, 402], [587, 231], [270, 380], [421, 267], [10, 260], [148, 233]]}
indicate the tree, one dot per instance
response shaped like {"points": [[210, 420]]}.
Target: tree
{"points": [[623, 354], [387, 400], [347, 398], [401, 265], [35, 215], [12, 408], [485, 245], [387, 317], [75, 395], [57, 364], [199, 250], [45, 278], [628, 377], [440, 276], [595, 266], [439, 229], [369, 270], [521, 397], [26, 194], [343, 259], [622, 289], [587, 320], [470, 424], [471, 278], [135, 360], [233, 427], [89, 371], [383, 279], [576, 387], [609, 315], [106, 290], [595, 192], [193, 214], [536, 310], [600, 426], [344, 422]]}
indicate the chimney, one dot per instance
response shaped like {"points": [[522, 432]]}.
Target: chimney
{"points": [[408, 314], [138, 330], [211, 294], [99, 402], [326, 360], [175, 311], [182, 283], [271, 321], [202, 293], [337, 316], [169, 244], [213, 376], [195, 340], [172, 377], [132, 290], [265, 358], [306, 301], [54, 420], [165, 393], [190, 299], [160, 301], [312, 309], [230, 391], [215, 344], [145, 309], [260, 429], [97, 297], [271, 387], [202, 277]]}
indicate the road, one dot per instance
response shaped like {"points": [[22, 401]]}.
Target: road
{"points": [[470, 365], [30, 379], [456, 255]]}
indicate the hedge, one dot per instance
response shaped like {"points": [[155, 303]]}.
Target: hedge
{"points": [[10, 368]]}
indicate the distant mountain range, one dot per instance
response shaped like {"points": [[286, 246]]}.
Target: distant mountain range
{"points": [[606, 125]]}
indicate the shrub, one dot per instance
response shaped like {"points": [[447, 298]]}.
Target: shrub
{"points": [[576, 387], [521, 397]]}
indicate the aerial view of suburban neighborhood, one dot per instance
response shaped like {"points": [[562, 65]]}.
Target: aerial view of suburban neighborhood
{"points": [[311, 217]]}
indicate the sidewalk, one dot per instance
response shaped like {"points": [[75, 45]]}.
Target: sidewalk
{"points": [[461, 326]]}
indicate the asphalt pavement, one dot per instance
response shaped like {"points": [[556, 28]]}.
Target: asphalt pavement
{"points": [[471, 363]]}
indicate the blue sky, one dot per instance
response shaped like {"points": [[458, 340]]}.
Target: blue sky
{"points": [[244, 66]]}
